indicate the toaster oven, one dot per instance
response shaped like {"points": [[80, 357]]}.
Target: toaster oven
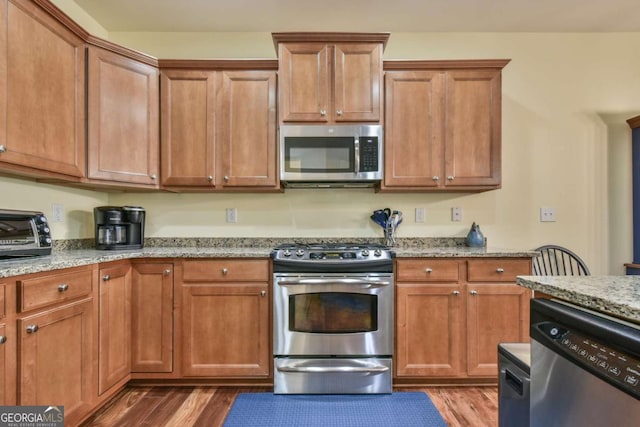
{"points": [[24, 234]]}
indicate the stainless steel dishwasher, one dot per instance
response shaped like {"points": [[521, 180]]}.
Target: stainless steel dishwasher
{"points": [[514, 361], [585, 367]]}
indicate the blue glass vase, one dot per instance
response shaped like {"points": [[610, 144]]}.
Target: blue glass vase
{"points": [[475, 238]]}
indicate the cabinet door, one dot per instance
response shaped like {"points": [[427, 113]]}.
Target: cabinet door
{"points": [[42, 92], [188, 119], [247, 129], [225, 330], [304, 82], [114, 326], [152, 318], [357, 82], [55, 360], [413, 129], [429, 339], [473, 129], [495, 313], [124, 122], [7, 364]]}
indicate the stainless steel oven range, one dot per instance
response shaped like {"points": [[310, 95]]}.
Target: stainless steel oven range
{"points": [[333, 319]]}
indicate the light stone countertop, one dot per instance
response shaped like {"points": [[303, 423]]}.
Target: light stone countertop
{"points": [[77, 257], [618, 296]]}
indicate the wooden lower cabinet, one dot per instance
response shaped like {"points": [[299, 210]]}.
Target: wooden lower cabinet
{"points": [[7, 365], [114, 347], [152, 317], [55, 359], [225, 318], [452, 314]]}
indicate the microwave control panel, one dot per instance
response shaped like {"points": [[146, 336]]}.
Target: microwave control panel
{"points": [[369, 154]]}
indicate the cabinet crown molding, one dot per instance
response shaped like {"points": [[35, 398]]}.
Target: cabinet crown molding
{"points": [[446, 64], [330, 37], [634, 122]]}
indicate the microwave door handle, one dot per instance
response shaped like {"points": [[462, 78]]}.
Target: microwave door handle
{"points": [[356, 153]]}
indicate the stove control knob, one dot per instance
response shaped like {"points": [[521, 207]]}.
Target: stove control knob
{"points": [[377, 252], [365, 252], [299, 252], [286, 253]]}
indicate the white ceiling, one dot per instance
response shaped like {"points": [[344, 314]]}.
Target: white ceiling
{"points": [[366, 15]]}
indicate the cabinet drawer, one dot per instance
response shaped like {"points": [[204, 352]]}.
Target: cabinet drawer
{"points": [[497, 270], [427, 270], [46, 290], [226, 270]]}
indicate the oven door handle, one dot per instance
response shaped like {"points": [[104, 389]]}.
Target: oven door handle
{"points": [[342, 281], [330, 369]]}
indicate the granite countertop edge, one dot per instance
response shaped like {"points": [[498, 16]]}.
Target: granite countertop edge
{"points": [[615, 295], [60, 259]]}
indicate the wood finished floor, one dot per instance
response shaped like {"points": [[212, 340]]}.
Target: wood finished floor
{"points": [[208, 406]]}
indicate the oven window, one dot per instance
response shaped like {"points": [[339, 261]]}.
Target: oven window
{"points": [[319, 155], [16, 232], [333, 313]]}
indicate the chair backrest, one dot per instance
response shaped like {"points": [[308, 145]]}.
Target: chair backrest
{"points": [[558, 261]]}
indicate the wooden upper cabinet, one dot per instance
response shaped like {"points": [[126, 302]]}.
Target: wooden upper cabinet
{"points": [[443, 125], [413, 129], [123, 121], [247, 129], [473, 128], [42, 94], [219, 125], [188, 119], [330, 77]]}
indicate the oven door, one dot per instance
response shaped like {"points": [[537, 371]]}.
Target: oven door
{"points": [[333, 314]]}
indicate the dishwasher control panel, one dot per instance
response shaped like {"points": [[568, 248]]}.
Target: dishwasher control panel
{"points": [[618, 367]]}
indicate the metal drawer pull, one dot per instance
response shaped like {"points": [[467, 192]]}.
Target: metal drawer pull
{"points": [[474, 293], [106, 277], [429, 270], [224, 271], [323, 113], [329, 369], [166, 272], [456, 293], [500, 270], [435, 178], [3, 148], [210, 178], [31, 329], [3, 339], [263, 293], [63, 287], [450, 177]]}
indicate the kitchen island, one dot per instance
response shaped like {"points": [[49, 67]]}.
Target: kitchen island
{"points": [[618, 296]]}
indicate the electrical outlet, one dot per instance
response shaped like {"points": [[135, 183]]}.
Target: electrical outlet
{"points": [[419, 214], [547, 214], [232, 215], [456, 214], [57, 212]]}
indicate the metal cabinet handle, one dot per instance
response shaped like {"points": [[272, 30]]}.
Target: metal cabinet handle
{"points": [[153, 176], [474, 293], [500, 270], [210, 178], [456, 293], [31, 329], [3, 148], [224, 271], [166, 272], [226, 178], [263, 293], [450, 177], [323, 113], [339, 112], [429, 270], [106, 277], [436, 178], [3, 339], [63, 287]]}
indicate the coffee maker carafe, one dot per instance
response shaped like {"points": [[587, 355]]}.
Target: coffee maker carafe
{"points": [[119, 227]]}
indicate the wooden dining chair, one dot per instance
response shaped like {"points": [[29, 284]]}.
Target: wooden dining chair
{"points": [[558, 261]]}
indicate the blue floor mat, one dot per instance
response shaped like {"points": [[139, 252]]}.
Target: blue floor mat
{"points": [[406, 409]]}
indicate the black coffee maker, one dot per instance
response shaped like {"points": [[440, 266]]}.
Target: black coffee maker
{"points": [[119, 227]]}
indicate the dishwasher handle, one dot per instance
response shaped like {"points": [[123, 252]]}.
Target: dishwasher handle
{"points": [[518, 384]]}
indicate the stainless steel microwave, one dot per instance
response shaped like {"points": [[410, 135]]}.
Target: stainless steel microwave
{"points": [[331, 155]]}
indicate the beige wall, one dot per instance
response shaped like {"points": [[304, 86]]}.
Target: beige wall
{"points": [[565, 145]]}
